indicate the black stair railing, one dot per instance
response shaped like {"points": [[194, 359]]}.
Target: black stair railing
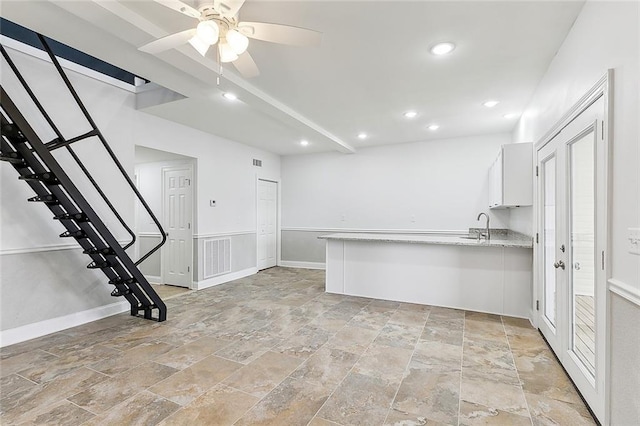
{"points": [[32, 158]]}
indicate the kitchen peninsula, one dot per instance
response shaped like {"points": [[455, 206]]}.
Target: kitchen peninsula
{"points": [[456, 271]]}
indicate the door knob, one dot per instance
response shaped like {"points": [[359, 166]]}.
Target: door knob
{"points": [[576, 266], [559, 264]]}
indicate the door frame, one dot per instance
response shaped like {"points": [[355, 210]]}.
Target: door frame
{"points": [[278, 217], [602, 89], [179, 165]]}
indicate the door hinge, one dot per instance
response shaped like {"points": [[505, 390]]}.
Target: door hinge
{"points": [[603, 260], [602, 127], [188, 225], [537, 238], [537, 171], [188, 268], [537, 305]]}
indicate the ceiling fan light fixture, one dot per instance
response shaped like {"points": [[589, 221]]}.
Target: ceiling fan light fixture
{"points": [[226, 53], [238, 42], [199, 45], [208, 32]]}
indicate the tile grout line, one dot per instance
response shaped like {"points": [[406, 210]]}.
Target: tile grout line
{"points": [[516, 368], [271, 323], [339, 383], [289, 375], [415, 345], [82, 408], [26, 378], [352, 367]]}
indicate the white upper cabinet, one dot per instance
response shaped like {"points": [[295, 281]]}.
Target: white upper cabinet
{"points": [[511, 177]]}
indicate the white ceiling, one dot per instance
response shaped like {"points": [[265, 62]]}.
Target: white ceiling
{"points": [[373, 64]]}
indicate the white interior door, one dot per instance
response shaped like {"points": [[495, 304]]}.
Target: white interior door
{"points": [[572, 240], [177, 215], [267, 223]]}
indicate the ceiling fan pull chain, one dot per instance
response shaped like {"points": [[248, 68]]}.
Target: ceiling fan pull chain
{"points": [[220, 64]]}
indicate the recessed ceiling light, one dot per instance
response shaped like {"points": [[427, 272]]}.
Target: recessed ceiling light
{"points": [[510, 115], [433, 127], [443, 48], [230, 96], [491, 104], [362, 135], [304, 142], [410, 114]]}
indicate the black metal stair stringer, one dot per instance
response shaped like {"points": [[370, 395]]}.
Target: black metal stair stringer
{"points": [[60, 141], [87, 241], [143, 291]]}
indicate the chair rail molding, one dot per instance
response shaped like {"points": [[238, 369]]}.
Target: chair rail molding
{"points": [[624, 290]]}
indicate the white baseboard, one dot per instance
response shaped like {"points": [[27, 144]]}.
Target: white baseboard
{"points": [[221, 279], [532, 318], [42, 328], [154, 279], [304, 265]]}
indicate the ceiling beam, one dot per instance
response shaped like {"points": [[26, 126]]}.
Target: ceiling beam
{"points": [[250, 94]]}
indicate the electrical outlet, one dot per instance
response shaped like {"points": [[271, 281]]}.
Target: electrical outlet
{"points": [[343, 217], [634, 240], [413, 218]]}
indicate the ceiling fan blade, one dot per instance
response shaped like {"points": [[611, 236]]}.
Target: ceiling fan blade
{"points": [[179, 6], [246, 66], [168, 42], [283, 34], [230, 8]]}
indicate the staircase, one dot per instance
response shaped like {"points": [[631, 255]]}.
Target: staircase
{"points": [[37, 167]]}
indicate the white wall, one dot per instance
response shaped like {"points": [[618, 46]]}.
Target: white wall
{"points": [[605, 35], [440, 184], [224, 173], [435, 185]]}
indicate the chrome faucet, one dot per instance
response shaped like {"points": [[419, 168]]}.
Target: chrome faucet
{"points": [[487, 234]]}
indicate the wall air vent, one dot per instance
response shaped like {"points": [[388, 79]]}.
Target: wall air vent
{"points": [[217, 257], [257, 163]]}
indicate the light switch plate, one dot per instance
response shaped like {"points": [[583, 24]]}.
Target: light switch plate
{"points": [[634, 240]]}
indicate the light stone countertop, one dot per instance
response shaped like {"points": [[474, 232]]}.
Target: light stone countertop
{"points": [[501, 239]]}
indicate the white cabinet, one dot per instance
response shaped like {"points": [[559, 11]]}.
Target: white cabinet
{"points": [[511, 177]]}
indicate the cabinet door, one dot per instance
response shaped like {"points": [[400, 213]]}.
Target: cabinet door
{"points": [[495, 182], [517, 175]]}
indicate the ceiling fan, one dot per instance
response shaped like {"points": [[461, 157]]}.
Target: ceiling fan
{"points": [[219, 24]]}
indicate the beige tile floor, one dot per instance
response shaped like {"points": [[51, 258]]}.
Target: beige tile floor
{"points": [[273, 348], [167, 292]]}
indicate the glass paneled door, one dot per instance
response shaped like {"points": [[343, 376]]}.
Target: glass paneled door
{"points": [[582, 231], [570, 252], [550, 252]]}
